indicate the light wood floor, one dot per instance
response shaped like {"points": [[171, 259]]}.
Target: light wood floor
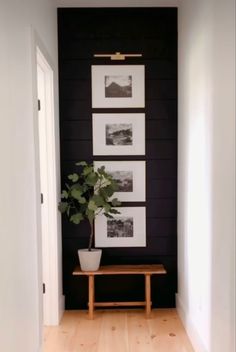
{"points": [[118, 331]]}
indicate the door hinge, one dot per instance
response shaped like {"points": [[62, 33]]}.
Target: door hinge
{"points": [[39, 105], [44, 288], [41, 196]]}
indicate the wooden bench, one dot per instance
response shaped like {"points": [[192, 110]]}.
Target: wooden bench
{"points": [[146, 270]]}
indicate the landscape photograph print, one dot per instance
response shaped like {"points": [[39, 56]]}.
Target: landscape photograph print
{"points": [[127, 229], [124, 180], [130, 177], [120, 227], [118, 86], [118, 134]]}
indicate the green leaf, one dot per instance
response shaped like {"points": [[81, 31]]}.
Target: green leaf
{"points": [[87, 170], [114, 185], [82, 200], [76, 218], [73, 177], [92, 205], [98, 200], [64, 194], [102, 193], [107, 207], [91, 179], [115, 202], [62, 207], [114, 211], [101, 170], [76, 193], [81, 163], [108, 216], [78, 187], [105, 182], [109, 191]]}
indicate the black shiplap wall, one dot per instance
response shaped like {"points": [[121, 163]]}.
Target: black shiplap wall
{"points": [[152, 32]]}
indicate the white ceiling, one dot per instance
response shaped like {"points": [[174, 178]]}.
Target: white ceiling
{"points": [[117, 3]]}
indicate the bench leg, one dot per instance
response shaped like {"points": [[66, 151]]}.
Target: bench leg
{"points": [[91, 295], [148, 294]]}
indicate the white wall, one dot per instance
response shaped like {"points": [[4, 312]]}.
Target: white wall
{"points": [[223, 171], [206, 173], [21, 298]]}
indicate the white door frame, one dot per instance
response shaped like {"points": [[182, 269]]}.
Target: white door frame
{"points": [[47, 141]]}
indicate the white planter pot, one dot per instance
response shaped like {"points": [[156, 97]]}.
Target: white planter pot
{"points": [[89, 260]]}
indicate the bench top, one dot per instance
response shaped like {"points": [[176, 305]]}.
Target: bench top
{"points": [[123, 270]]}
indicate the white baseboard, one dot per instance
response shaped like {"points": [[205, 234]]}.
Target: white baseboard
{"points": [[189, 327], [57, 312]]}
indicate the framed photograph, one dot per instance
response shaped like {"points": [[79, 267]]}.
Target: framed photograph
{"points": [[118, 134], [118, 86], [127, 229], [130, 176]]}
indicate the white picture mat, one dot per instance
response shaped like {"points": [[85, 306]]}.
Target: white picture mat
{"points": [[98, 86], [138, 169], [99, 134], [139, 228]]}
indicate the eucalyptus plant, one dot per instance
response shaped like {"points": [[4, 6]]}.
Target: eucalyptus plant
{"points": [[87, 194]]}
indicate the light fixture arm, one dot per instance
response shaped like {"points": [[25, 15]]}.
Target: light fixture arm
{"points": [[117, 56]]}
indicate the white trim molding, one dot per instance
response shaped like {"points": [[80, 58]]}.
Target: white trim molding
{"points": [[53, 258], [189, 327]]}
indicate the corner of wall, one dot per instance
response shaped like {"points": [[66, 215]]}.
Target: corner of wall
{"points": [[189, 326]]}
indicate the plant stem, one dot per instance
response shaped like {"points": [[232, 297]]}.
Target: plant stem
{"points": [[91, 236]]}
